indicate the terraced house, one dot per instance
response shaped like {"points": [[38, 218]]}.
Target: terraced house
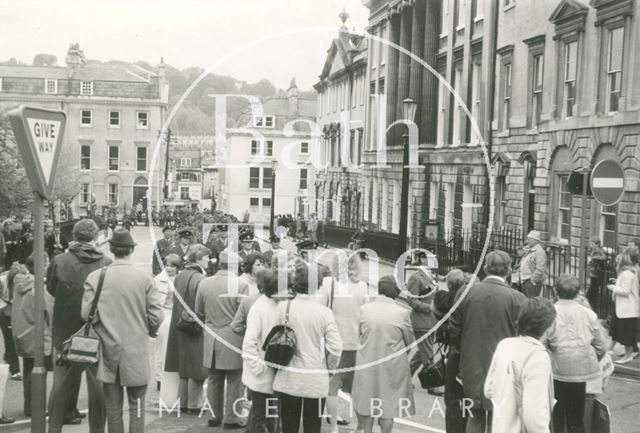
{"points": [[114, 119]]}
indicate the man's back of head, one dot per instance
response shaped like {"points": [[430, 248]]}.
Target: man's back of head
{"points": [[498, 263]]}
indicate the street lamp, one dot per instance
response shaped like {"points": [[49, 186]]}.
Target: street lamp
{"points": [[409, 107], [274, 165]]}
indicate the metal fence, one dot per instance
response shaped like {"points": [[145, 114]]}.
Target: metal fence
{"points": [[462, 249]]}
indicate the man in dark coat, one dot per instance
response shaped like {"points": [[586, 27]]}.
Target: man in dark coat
{"points": [[65, 281], [55, 242], [486, 315], [163, 246], [181, 246], [25, 244]]}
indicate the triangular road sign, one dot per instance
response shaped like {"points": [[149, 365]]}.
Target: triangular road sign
{"points": [[39, 132]]}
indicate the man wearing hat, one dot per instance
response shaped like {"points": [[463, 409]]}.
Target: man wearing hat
{"points": [[217, 301], [162, 248], [130, 311], [185, 236], [246, 242], [533, 266], [275, 248], [305, 246]]}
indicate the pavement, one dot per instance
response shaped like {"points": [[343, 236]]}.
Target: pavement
{"points": [[622, 394]]}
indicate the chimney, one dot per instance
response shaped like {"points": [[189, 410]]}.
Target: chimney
{"points": [[292, 95], [344, 30], [75, 56]]}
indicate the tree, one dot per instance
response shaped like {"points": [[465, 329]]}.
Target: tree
{"points": [[15, 191], [45, 60], [66, 186]]}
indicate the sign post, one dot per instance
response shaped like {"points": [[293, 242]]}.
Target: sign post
{"points": [[38, 134]]}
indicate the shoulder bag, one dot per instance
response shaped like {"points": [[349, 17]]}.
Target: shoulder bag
{"points": [[83, 348], [280, 344], [186, 323]]}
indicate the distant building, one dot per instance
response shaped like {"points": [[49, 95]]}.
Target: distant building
{"points": [[193, 173], [114, 120], [245, 173], [342, 92]]}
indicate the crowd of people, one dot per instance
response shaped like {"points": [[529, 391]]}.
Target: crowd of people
{"points": [[206, 312]]}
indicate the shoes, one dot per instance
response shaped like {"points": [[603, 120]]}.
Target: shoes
{"points": [[624, 360], [233, 426], [73, 421], [78, 414], [6, 420], [214, 423], [191, 411], [17, 376], [341, 421], [634, 355], [435, 391]]}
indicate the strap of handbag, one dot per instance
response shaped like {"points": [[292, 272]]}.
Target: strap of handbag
{"points": [[186, 293], [94, 304], [332, 292], [286, 314]]}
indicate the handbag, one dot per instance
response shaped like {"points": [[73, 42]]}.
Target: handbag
{"points": [[83, 348], [186, 323], [280, 344], [433, 375]]}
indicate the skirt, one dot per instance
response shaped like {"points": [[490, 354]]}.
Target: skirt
{"points": [[624, 331]]}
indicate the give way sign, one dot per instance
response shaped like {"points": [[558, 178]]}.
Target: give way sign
{"points": [[607, 182], [38, 133]]}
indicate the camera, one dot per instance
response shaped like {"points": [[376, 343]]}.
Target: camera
{"points": [[611, 281]]}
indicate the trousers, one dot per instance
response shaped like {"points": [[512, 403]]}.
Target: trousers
{"points": [[10, 356], [569, 408], [291, 407], [226, 409], [63, 399], [114, 399]]}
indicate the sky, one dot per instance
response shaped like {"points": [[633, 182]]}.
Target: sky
{"points": [[247, 39]]}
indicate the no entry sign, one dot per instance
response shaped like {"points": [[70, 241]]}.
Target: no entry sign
{"points": [[607, 182], [38, 133]]}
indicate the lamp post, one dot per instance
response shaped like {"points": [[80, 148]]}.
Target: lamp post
{"points": [[274, 165], [409, 107]]}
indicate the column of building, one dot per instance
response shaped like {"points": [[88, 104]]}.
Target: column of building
{"points": [[429, 107], [392, 73], [404, 71]]}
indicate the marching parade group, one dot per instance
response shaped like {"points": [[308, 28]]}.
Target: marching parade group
{"points": [[213, 316]]}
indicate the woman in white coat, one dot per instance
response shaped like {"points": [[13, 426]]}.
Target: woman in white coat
{"points": [[624, 326], [164, 283], [520, 382], [256, 375]]}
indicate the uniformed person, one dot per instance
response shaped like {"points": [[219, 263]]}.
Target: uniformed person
{"points": [[163, 246]]}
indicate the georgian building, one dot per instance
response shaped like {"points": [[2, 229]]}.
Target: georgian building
{"points": [[282, 132], [568, 96], [448, 174], [342, 88], [193, 172], [114, 120]]}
